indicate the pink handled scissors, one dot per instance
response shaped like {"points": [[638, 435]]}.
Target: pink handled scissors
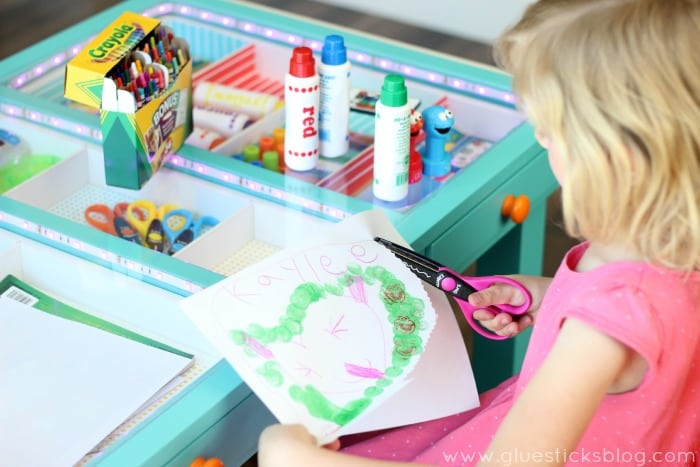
{"points": [[460, 287]]}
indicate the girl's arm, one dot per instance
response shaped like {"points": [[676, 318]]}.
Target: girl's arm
{"points": [[293, 445], [551, 415]]}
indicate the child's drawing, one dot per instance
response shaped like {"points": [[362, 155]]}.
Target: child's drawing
{"points": [[339, 317], [323, 334]]}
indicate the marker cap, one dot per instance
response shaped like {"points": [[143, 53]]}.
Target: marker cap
{"points": [[394, 92], [302, 63], [333, 51]]}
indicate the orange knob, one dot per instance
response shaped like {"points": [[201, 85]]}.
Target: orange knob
{"points": [[202, 462], [517, 208]]}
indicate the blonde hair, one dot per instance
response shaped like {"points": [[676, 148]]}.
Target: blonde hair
{"points": [[615, 84]]}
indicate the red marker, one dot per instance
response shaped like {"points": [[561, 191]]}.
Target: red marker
{"points": [[301, 102]]}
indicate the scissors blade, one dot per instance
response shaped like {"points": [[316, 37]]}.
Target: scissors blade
{"points": [[124, 230], [409, 255], [422, 267], [430, 271]]}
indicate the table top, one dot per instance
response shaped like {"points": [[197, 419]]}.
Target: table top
{"points": [[31, 100]]}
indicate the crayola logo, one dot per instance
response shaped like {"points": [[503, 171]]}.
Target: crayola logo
{"points": [[120, 40]]}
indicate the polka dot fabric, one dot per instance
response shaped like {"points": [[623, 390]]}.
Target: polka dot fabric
{"points": [[655, 311]]}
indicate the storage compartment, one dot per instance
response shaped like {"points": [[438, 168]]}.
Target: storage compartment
{"points": [[261, 67], [248, 230], [119, 299], [251, 56], [23, 155]]}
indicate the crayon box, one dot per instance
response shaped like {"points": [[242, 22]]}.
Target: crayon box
{"points": [[140, 78]]}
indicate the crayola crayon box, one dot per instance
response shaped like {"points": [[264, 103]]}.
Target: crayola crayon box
{"points": [[140, 77]]}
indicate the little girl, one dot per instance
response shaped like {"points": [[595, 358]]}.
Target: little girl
{"points": [[612, 372]]}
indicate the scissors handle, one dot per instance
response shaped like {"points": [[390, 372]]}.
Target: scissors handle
{"points": [[140, 213], [101, 217], [177, 223], [483, 282], [185, 228]]}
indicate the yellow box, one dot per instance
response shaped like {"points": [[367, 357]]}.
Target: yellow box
{"points": [[142, 121]]}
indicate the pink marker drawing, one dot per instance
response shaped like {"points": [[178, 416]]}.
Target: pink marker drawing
{"points": [[357, 290], [258, 348], [363, 371], [335, 330]]}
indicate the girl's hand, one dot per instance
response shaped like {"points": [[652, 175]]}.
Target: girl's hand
{"points": [[289, 445], [504, 324]]}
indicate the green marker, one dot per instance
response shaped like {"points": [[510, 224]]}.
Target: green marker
{"points": [[392, 140]]}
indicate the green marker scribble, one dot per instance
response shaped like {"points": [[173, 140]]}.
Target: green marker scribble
{"points": [[270, 370], [291, 325], [283, 334], [383, 382], [296, 312], [237, 336], [334, 289], [260, 333], [319, 406], [306, 294], [346, 280], [405, 347], [404, 313]]}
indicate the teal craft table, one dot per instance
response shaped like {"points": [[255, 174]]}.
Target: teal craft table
{"points": [[456, 220]]}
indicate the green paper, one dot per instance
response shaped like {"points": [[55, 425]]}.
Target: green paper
{"points": [[57, 308]]}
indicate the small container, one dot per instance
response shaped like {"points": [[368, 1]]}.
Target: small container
{"points": [[278, 135], [266, 143], [251, 153], [271, 160]]}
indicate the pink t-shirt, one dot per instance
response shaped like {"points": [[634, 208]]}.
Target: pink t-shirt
{"points": [[655, 311]]}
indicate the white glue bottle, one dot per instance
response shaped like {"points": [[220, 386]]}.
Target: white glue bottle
{"points": [[301, 103], [392, 140], [334, 113]]}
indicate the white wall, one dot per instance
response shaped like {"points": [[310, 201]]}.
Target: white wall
{"points": [[480, 20]]}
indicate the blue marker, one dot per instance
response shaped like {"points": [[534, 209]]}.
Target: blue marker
{"points": [[334, 109]]}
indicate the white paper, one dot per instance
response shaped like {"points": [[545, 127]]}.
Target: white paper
{"points": [[324, 343], [64, 386]]}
